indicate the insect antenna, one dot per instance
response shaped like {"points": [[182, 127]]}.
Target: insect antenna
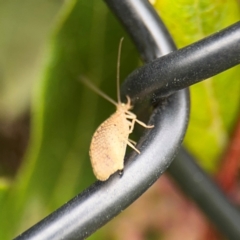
{"points": [[97, 90], [118, 70]]}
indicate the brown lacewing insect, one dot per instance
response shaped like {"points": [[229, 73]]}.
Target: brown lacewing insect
{"points": [[109, 142]]}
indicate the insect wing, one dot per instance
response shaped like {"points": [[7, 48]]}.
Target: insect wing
{"points": [[108, 146]]}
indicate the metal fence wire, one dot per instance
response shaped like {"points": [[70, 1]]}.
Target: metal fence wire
{"points": [[163, 81]]}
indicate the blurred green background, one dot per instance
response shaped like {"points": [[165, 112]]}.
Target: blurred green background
{"points": [[47, 117]]}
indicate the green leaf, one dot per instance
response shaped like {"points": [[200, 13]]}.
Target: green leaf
{"points": [[65, 113], [4, 186], [216, 101]]}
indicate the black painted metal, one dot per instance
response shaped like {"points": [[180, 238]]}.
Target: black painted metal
{"points": [[144, 26], [102, 201], [200, 187], [186, 66]]}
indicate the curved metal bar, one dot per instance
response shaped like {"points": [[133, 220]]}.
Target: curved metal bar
{"points": [[147, 31], [189, 65], [199, 186], [98, 204], [178, 70]]}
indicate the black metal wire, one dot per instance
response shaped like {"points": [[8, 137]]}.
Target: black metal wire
{"points": [[189, 65], [200, 187], [186, 66], [144, 26], [103, 200], [98, 204]]}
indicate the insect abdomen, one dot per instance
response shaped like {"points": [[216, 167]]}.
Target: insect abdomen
{"points": [[108, 146]]}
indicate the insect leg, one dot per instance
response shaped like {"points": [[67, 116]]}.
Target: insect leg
{"points": [[131, 141], [132, 123], [143, 124], [134, 119], [132, 146]]}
